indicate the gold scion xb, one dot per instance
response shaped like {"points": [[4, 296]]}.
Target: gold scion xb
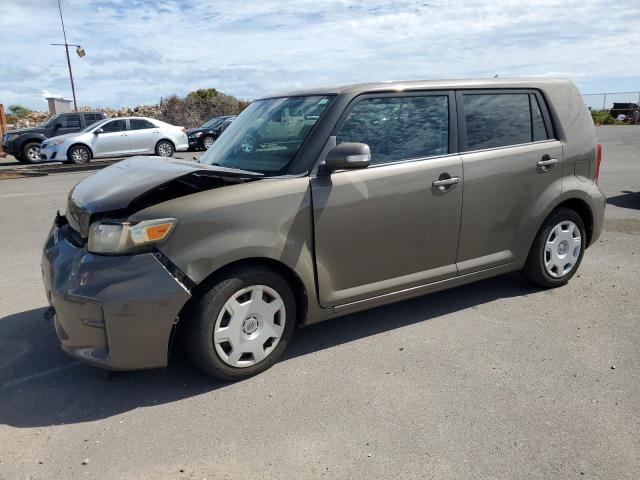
{"points": [[318, 203]]}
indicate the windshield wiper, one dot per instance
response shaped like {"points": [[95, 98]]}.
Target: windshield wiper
{"points": [[233, 171]]}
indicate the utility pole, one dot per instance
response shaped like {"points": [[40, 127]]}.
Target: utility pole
{"points": [[79, 50]]}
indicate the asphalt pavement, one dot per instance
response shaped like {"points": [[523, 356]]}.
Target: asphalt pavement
{"points": [[491, 380]]}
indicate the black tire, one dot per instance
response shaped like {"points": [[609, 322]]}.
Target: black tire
{"points": [[534, 269], [18, 157], [207, 139], [201, 315], [28, 152], [78, 155], [164, 148]]}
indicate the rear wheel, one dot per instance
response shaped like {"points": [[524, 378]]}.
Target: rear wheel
{"points": [[558, 249], [78, 155], [30, 153], [241, 325], [164, 148]]}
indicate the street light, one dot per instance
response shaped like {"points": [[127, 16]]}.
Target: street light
{"points": [[79, 50]]}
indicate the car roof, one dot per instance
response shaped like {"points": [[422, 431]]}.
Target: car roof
{"points": [[408, 85]]}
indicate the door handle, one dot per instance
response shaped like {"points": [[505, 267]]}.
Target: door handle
{"points": [[446, 182], [547, 163]]}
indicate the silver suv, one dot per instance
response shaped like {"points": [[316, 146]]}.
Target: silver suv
{"points": [[361, 195]]}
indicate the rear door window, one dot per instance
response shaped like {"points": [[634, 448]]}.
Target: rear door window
{"points": [[399, 128], [91, 118], [140, 124], [70, 121], [502, 119]]}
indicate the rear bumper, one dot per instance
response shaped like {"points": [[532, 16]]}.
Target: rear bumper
{"points": [[598, 205], [182, 146], [115, 312]]}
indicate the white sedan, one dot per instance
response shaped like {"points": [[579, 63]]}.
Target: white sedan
{"points": [[115, 137]]}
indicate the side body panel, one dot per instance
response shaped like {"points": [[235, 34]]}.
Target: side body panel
{"points": [[503, 188], [143, 140], [264, 219], [384, 228], [109, 143]]}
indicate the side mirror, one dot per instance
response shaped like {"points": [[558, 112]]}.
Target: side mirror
{"points": [[57, 126], [348, 156], [98, 130]]}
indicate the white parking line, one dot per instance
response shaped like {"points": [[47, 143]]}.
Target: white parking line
{"points": [[19, 381]]}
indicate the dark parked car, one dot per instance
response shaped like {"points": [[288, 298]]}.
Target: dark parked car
{"points": [[24, 143], [202, 138], [352, 199]]}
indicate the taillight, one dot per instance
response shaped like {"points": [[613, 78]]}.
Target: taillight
{"points": [[184, 130], [598, 161]]}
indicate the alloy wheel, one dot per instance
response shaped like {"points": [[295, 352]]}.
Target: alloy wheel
{"points": [[165, 150], [79, 155], [562, 249], [208, 142], [33, 154], [249, 326]]}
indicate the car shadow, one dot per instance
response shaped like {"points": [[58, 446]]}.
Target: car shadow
{"points": [[40, 386], [626, 200]]}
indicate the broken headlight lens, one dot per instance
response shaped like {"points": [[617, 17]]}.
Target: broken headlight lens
{"points": [[125, 237]]}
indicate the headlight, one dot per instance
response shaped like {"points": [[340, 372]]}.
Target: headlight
{"points": [[11, 136], [126, 237], [195, 135], [55, 141]]}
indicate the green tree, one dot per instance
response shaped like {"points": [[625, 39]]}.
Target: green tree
{"points": [[205, 95], [19, 111]]}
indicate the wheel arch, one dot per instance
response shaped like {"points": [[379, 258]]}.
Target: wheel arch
{"points": [[291, 277], [79, 144], [166, 139], [28, 138], [583, 209]]}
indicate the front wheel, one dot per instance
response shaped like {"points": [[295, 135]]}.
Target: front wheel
{"points": [[164, 148], [207, 142], [78, 155], [557, 250], [30, 153], [241, 325]]}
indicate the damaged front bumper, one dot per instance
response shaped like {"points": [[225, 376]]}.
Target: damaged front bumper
{"points": [[115, 312]]}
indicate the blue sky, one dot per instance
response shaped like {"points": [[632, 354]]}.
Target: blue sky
{"points": [[140, 50]]}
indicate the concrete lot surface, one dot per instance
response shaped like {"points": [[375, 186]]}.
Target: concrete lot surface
{"points": [[491, 380]]}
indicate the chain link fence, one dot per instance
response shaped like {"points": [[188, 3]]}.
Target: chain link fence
{"points": [[614, 108]]}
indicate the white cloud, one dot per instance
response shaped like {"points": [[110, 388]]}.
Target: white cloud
{"points": [[140, 50]]}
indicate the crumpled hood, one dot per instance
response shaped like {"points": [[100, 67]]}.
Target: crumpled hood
{"points": [[116, 188]]}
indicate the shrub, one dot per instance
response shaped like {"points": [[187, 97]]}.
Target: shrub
{"points": [[199, 106]]}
